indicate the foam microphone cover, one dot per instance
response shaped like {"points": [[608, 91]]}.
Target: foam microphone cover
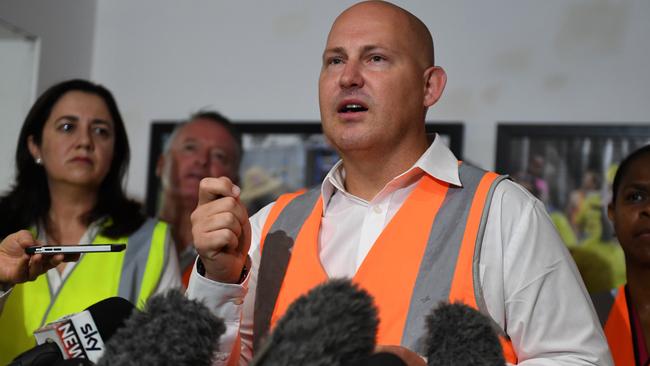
{"points": [[460, 335], [333, 323], [171, 330]]}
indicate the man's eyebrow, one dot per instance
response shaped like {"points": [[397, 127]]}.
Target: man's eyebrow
{"points": [[364, 49], [372, 47], [339, 50]]}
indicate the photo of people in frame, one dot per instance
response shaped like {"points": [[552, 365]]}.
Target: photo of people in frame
{"points": [[570, 169], [278, 157]]}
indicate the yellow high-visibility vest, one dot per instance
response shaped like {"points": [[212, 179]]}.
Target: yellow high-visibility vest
{"points": [[133, 274]]}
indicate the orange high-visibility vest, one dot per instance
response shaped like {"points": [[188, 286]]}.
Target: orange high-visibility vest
{"points": [[434, 239], [618, 329]]}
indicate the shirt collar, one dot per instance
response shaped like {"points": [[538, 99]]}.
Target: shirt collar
{"points": [[437, 161]]}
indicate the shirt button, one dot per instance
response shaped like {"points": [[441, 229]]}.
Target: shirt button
{"points": [[238, 301]]}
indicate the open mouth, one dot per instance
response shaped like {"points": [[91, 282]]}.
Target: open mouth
{"points": [[352, 108], [352, 105]]}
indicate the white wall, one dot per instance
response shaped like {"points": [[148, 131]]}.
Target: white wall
{"points": [[18, 59], [65, 29], [534, 61], [62, 49]]}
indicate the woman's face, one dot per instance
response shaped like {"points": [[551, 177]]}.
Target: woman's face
{"points": [[630, 214], [77, 141]]}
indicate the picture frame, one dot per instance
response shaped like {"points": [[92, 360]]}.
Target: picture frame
{"points": [[560, 163], [295, 153]]}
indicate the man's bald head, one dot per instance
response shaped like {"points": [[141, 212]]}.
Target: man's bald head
{"points": [[414, 32], [378, 73]]}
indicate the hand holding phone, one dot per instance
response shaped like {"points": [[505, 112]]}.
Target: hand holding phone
{"points": [[75, 249], [16, 266]]}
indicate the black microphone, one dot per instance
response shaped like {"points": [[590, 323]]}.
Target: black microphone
{"points": [[77, 336], [171, 330], [334, 323], [460, 335], [378, 359]]}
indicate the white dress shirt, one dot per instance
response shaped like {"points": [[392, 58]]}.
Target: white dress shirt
{"points": [[531, 285]]}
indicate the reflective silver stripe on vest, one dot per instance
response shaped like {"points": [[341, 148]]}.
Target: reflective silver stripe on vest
{"points": [[275, 259], [436, 272], [135, 261]]}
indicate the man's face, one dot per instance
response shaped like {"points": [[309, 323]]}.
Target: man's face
{"points": [[371, 86], [202, 148]]}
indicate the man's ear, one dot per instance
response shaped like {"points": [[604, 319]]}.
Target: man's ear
{"points": [[435, 80], [34, 150]]}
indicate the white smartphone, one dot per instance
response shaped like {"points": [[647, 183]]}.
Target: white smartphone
{"points": [[74, 249]]}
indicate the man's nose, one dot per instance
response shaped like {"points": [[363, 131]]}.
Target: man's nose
{"points": [[351, 76], [202, 158]]}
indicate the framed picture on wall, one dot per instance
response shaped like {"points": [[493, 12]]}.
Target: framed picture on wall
{"points": [[278, 157], [568, 166]]}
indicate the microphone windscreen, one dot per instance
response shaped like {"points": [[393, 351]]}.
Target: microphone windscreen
{"points": [[333, 323], [460, 335], [171, 330]]}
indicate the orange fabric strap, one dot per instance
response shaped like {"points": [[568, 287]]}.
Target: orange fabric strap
{"points": [[463, 286], [619, 331]]}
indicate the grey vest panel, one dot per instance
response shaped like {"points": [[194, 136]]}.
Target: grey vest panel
{"points": [[438, 264], [135, 261], [275, 259], [603, 303]]}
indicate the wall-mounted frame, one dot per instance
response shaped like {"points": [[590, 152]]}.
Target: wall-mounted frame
{"points": [[560, 163], [296, 153]]}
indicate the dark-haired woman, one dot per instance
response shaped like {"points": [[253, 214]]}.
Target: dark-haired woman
{"points": [[71, 159], [626, 314]]}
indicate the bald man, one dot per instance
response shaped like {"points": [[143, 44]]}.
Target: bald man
{"points": [[398, 214]]}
